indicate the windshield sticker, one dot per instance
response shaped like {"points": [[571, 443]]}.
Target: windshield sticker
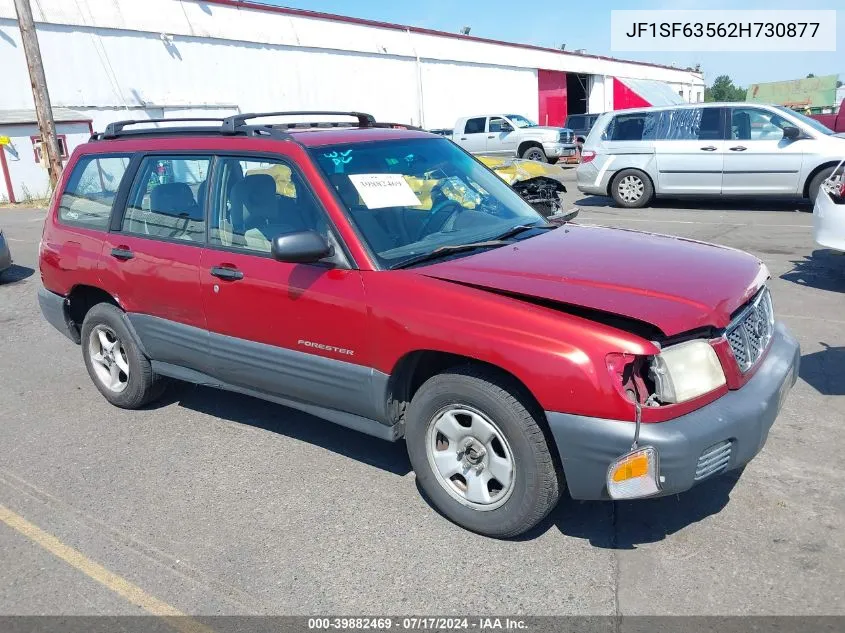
{"points": [[384, 190], [339, 159]]}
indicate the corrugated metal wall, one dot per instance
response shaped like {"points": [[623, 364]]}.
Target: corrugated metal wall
{"points": [[154, 56]]}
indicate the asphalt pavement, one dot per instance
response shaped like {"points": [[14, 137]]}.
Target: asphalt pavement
{"points": [[215, 503]]}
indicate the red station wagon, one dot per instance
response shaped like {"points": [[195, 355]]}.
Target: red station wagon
{"points": [[385, 280]]}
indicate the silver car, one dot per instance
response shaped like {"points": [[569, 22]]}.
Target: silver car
{"points": [[740, 149], [5, 254]]}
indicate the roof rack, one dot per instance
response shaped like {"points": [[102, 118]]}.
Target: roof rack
{"points": [[114, 129], [232, 123], [235, 125]]}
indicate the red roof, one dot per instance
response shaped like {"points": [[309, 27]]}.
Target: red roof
{"points": [[318, 138]]}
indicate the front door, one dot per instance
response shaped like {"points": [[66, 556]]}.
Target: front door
{"points": [[690, 149], [758, 159], [151, 263], [294, 330], [502, 138]]}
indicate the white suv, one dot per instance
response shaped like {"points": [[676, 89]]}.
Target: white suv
{"points": [[707, 149]]}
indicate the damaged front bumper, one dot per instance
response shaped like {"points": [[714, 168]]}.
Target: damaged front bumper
{"points": [[537, 183], [721, 436]]}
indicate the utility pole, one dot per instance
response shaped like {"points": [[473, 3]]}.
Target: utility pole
{"points": [[43, 110]]}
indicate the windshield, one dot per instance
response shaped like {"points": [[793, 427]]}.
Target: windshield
{"points": [[816, 125], [520, 121], [409, 197]]}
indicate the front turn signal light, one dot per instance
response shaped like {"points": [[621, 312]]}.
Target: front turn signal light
{"points": [[634, 474]]}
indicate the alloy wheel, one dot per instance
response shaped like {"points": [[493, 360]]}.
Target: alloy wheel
{"points": [[108, 358]]}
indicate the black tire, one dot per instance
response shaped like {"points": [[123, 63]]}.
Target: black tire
{"points": [[143, 385], [535, 152], [646, 189], [537, 482], [816, 183]]}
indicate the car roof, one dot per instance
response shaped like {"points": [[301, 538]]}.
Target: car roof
{"points": [[700, 104], [241, 129], [317, 137]]}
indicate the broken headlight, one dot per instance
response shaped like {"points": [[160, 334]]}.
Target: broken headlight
{"points": [[685, 371]]}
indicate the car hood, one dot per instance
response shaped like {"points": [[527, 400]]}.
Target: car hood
{"points": [[671, 283]]}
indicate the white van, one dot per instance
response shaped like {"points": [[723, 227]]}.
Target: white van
{"points": [[707, 149]]}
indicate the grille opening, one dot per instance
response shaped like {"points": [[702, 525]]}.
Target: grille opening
{"points": [[750, 333], [714, 460]]}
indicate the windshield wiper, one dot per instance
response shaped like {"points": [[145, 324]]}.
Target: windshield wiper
{"points": [[519, 228], [442, 251]]}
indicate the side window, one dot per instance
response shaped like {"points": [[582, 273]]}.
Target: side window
{"points": [[575, 122], [92, 186], [496, 124], [168, 197], [691, 124], [255, 201], [474, 126], [638, 126], [753, 124]]}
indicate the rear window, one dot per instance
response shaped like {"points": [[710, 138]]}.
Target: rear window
{"points": [[92, 186], [575, 122], [637, 126], [475, 126], [683, 124]]}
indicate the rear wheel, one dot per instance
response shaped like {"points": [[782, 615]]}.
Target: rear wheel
{"points": [[479, 451], [116, 365], [631, 189], [535, 152]]}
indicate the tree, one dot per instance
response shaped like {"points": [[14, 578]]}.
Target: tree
{"points": [[810, 76], [723, 89]]}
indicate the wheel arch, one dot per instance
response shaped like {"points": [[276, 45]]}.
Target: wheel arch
{"points": [[414, 368], [818, 168]]}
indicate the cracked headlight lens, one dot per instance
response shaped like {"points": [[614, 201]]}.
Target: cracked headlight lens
{"points": [[686, 370]]}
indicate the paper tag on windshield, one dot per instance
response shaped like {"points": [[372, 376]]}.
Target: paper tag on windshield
{"points": [[384, 190]]}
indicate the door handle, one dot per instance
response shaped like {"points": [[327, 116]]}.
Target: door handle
{"points": [[230, 274], [122, 253], [709, 148], [463, 138], [492, 136], [738, 148]]}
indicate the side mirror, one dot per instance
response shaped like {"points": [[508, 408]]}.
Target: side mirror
{"points": [[791, 132], [506, 127], [303, 247]]}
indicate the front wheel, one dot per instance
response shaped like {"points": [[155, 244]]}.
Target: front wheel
{"points": [[536, 153], [631, 189], [479, 451]]}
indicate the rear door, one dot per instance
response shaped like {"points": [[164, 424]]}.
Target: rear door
{"points": [[690, 150], [294, 330], [151, 257], [474, 136], [758, 158]]}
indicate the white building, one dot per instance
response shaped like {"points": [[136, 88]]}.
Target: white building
{"points": [[119, 59]]}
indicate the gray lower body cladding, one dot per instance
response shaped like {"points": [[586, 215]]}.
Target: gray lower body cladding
{"points": [[721, 436], [266, 369]]}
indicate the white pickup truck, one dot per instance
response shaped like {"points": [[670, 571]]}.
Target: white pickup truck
{"points": [[513, 135]]}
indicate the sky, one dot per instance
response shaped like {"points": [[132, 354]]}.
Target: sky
{"points": [[587, 25]]}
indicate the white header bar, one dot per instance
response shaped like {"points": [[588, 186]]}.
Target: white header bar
{"points": [[716, 31]]}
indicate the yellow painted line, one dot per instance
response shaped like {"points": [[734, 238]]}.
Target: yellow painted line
{"points": [[131, 592]]}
